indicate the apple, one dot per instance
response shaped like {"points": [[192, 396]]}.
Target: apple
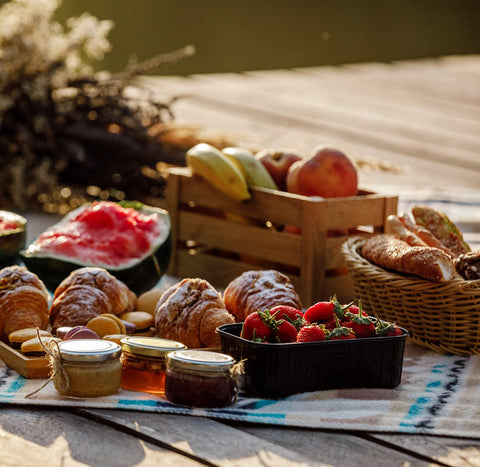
{"points": [[277, 162], [329, 172]]}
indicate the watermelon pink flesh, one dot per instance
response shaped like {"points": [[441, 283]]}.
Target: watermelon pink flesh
{"points": [[103, 234], [6, 225]]}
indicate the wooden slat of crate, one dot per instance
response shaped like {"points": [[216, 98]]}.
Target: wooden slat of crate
{"points": [[240, 238], [29, 367], [216, 269]]}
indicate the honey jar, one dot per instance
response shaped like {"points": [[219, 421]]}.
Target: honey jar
{"points": [[144, 364], [87, 368], [200, 378]]}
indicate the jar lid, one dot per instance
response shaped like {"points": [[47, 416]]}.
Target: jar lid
{"points": [[150, 346], [89, 350], [200, 361]]}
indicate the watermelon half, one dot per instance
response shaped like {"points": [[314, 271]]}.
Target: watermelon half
{"points": [[131, 241], [12, 237]]}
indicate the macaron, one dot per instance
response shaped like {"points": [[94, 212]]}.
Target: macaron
{"points": [[120, 323], [104, 325], [148, 300], [33, 348], [115, 338], [17, 338], [80, 332], [142, 320]]}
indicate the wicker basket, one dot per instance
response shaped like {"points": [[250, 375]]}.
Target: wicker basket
{"points": [[442, 316]]}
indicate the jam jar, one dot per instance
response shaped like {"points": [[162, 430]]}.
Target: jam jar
{"points": [[87, 368], [200, 378], [143, 363]]}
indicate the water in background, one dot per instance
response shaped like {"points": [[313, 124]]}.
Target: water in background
{"points": [[239, 35]]}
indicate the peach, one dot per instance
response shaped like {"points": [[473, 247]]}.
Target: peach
{"points": [[277, 162], [329, 172]]}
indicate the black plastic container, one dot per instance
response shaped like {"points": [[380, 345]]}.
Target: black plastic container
{"points": [[280, 370]]}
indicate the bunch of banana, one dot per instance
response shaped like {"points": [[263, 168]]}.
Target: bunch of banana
{"points": [[252, 169], [208, 162], [231, 170]]}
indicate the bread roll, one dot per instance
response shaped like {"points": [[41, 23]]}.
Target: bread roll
{"points": [[259, 290], [23, 301], [87, 293], [468, 265], [189, 312], [390, 252]]}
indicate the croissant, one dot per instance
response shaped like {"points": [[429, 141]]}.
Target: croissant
{"points": [[189, 312], [23, 301], [86, 293], [259, 290]]}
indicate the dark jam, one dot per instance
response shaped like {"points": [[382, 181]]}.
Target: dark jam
{"points": [[198, 378], [200, 391]]}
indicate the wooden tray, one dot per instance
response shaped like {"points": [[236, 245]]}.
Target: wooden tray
{"points": [[217, 238], [28, 367]]}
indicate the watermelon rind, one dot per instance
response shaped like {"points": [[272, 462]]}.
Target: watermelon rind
{"points": [[140, 274], [12, 240]]}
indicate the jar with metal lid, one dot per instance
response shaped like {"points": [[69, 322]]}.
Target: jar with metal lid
{"points": [[143, 363], [86, 368], [200, 378]]}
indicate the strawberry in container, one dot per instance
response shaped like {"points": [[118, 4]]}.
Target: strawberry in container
{"points": [[130, 240], [12, 237]]}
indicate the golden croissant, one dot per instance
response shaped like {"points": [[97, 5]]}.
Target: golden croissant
{"points": [[23, 301], [86, 293], [189, 312], [259, 290]]}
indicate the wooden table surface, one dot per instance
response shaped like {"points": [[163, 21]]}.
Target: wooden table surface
{"points": [[421, 117]]}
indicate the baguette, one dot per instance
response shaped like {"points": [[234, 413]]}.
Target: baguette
{"points": [[442, 228], [390, 252], [406, 234], [424, 234]]}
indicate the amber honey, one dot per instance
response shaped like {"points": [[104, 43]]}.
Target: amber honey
{"points": [[144, 364], [143, 373]]}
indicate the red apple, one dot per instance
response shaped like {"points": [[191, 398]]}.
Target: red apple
{"points": [[329, 172], [277, 162]]}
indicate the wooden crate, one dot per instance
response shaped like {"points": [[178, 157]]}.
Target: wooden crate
{"points": [[217, 238], [28, 367]]}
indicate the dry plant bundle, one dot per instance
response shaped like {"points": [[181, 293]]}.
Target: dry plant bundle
{"points": [[65, 131]]}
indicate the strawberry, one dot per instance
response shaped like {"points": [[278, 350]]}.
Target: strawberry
{"points": [[311, 333], [257, 327], [361, 325], [288, 313], [323, 312], [384, 328], [320, 312], [341, 332], [285, 331], [353, 310]]}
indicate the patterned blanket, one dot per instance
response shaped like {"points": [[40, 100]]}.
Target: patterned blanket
{"points": [[438, 395]]}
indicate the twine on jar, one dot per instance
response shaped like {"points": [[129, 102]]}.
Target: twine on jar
{"points": [[237, 372], [56, 366]]}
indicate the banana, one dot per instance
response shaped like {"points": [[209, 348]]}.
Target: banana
{"points": [[252, 169], [208, 162]]}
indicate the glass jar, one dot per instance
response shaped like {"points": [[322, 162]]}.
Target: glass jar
{"points": [[143, 363], [87, 368], [199, 378]]}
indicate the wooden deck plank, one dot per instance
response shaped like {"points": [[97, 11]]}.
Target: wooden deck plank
{"points": [[337, 448], [205, 438], [37, 437], [456, 452], [253, 446]]}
